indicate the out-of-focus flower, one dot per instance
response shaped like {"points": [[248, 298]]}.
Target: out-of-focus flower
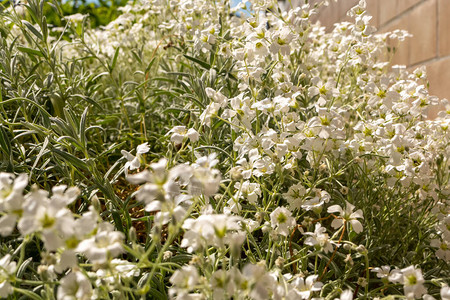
{"points": [[75, 286], [11, 200], [303, 288], [7, 269], [105, 245], [184, 281], [213, 229], [179, 133]]}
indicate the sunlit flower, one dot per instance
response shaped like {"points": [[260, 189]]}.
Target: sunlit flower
{"points": [[347, 215], [134, 162], [282, 221]]}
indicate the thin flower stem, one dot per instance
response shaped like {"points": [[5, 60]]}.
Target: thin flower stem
{"points": [[334, 252]]}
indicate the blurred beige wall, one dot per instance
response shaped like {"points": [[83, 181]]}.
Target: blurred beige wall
{"points": [[427, 20]]}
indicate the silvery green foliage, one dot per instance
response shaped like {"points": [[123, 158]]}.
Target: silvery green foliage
{"points": [[188, 151]]}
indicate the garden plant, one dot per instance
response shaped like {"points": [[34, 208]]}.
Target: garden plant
{"points": [[189, 150]]}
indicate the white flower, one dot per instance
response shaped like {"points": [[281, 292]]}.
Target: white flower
{"points": [[183, 280], [11, 200], [76, 18], [105, 245], [257, 280], [117, 270], [50, 217], [134, 162], [179, 133], [303, 288], [205, 179], [316, 201], [75, 286], [10, 189], [346, 295], [249, 190], [7, 269], [319, 237], [212, 229], [412, 280], [445, 293], [294, 196], [281, 41], [385, 271], [347, 215], [282, 221], [443, 251]]}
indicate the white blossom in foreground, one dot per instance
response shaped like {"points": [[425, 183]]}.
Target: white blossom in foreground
{"points": [[303, 288], [184, 281], [412, 280], [11, 200], [75, 286], [7, 269], [346, 295], [49, 216], [105, 245], [213, 230], [445, 292]]}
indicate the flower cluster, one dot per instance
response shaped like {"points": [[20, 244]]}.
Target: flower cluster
{"points": [[273, 159]]}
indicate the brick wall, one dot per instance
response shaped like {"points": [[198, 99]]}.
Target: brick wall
{"points": [[427, 20]]}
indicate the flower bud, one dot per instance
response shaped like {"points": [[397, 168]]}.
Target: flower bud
{"points": [[279, 262]]}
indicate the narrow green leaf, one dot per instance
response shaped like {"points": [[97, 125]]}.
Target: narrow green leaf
{"points": [[73, 160], [217, 149], [117, 220], [44, 28], [83, 128], [5, 143], [41, 153], [202, 63], [114, 60], [88, 100], [28, 294], [136, 56], [150, 65], [33, 29], [30, 51], [23, 267], [99, 75]]}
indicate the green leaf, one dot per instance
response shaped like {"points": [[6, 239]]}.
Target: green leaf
{"points": [[73, 160], [202, 63], [114, 60], [150, 65], [23, 266], [83, 128], [136, 56], [41, 153], [28, 294], [5, 143], [117, 220], [33, 29], [44, 28], [30, 51], [88, 100]]}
